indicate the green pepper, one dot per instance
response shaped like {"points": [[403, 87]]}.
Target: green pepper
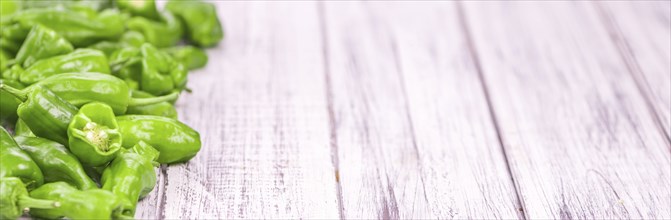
{"points": [[8, 7], [95, 5], [165, 109], [81, 60], [144, 8], [82, 88], [93, 134], [21, 129], [191, 57], [80, 29], [15, 199], [128, 39], [41, 43], [148, 69], [11, 47], [77, 204], [176, 141], [14, 162], [163, 33], [5, 58], [131, 175], [200, 18], [56, 162], [126, 64], [46, 114], [13, 72], [9, 103]]}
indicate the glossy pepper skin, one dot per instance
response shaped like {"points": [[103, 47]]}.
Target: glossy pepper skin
{"points": [[56, 162], [13, 72], [81, 60], [175, 141], [14, 162], [81, 28], [200, 18], [144, 8], [21, 129], [191, 57], [8, 102], [46, 114], [164, 33], [14, 199], [149, 69], [82, 88], [128, 39], [77, 204], [93, 134], [131, 175], [165, 109], [42, 43]]}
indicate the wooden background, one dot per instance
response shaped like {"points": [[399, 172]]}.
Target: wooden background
{"points": [[450, 110]]}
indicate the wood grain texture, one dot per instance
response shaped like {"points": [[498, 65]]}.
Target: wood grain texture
{"points": [[579, 137], [642, 32], [261, 108], [412, 130]]}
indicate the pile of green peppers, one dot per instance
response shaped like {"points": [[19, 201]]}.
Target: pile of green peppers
{"points": [[87, 93]]}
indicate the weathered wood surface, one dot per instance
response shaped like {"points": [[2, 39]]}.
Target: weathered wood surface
{"points": [[428, 110], [412, 129], [642, 31], [261, 110], [581, 141]]}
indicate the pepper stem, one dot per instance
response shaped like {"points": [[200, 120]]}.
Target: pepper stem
{"points": [[28, 202], [21, 95], [153, 100]]}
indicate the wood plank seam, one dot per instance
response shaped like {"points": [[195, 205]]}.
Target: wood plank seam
{"points": [[476, 61], [413, 136], [632, 64], [162, 176], [329, 101]]}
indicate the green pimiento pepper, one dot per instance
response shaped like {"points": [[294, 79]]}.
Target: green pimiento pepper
{"points": [[93, 134], [81, 60], [153, 71], [165, 109], [8, 7], [83, 88], [10, 46], [79, 28], [128, 39], [176, 141], [56, 162], [200, 18], [77, 204], [163, 33], [191, 57], [9, 103], [46, 114], [131, 175], [41, 43], [14, 162], [5, 58], [144, 8], [21, 129], [13, 72], [14, 199]]}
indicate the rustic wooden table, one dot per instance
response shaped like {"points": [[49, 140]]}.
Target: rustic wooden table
{"points": [[429, 110]]}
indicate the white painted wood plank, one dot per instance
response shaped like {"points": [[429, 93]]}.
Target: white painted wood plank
{"points": [[413, 133], [579, 137], [642, 31], [261, 108]]}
